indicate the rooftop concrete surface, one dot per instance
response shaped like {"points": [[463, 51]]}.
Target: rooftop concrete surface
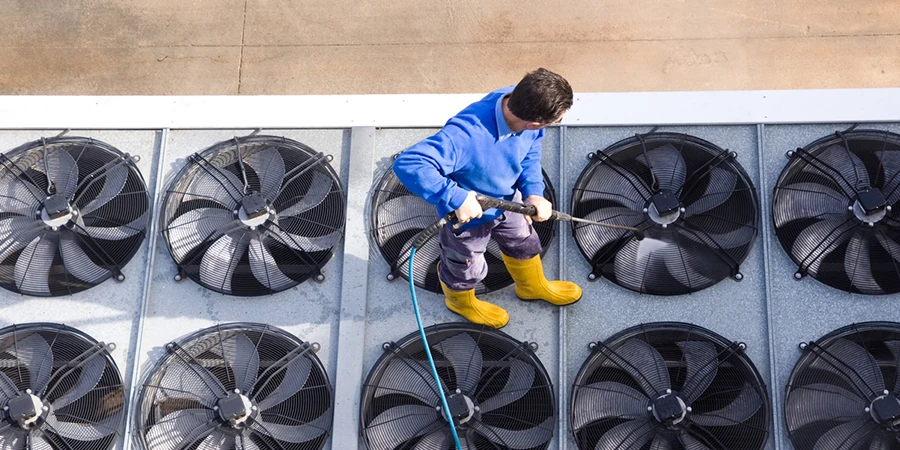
{"points": [[187, 47]]}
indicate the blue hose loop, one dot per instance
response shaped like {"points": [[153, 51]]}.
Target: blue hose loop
{"points": [[437, 379]]}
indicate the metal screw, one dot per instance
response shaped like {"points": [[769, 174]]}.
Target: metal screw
{"points": [[120, 277], [739, 276], [803, 345], [888, 207], [850, 208], [177, 277], [646, 210], [683, 209], [668, 391], [871, 224], [253, 408], [477, 408], [665, 225], [689, 409], [867, 409], [6, 408], [798, 275], [237, 391], [215, 408], [592, 345], [790, 153], [742, 346], [592, 277], [437, 408], [320, 277], [390, 277], [886, 392], [649, 408], [46, 408], [458, 391], [28, 391]]}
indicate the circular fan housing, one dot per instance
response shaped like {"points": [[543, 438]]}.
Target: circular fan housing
{"points": [[833, 211], [254, 215], [59, 389], [397, 216], [498, 391], [669, 386], [844, 391], [240, 385], [695, 203], [73, 212]]}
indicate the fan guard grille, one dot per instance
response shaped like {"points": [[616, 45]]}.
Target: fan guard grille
{"points": [[273, 235], [279, 375], [697, 207], [717, 398], [70, 374], [397, 216], [79, 232], [500, 376], [820, 215]]}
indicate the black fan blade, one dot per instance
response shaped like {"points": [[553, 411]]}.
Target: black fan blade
{"points": [[818, 402], [113, 233], [840, 165], [630, 435], [63, 172], [719, 188], [410, 377], [818, 240], [16, 233], [319, 189], [265, 268], [180, 428], [34, 353], [702, 367], [739, 410], [801, 201], [890, 178], [598, 237], [241, 355], [269, 167], [221, 259], [19, 196], [113, 181], [738, 237], [691, 443], [406, 212], [660, 443], [667, 165], [190, 229], [307, 243], [217, 441], [851, 362], [517, 439], [38, 441], [894, 347], [519, 382], [32, 269], [858, 265], [295, 433], [77, 262], [889, 245], [882, 442], [295, 376], [11, 440], [438, 440], [645, 365], [90, 431], [91, 371], [607, 399], [849, 436], [616, 185], [192, 381], [401, 424], [8, 389], [219, 186], [243, 442], [690, 264], [465, 357]]}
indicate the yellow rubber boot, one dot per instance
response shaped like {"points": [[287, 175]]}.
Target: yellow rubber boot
{"points": [[531, 284], [465, 304]]}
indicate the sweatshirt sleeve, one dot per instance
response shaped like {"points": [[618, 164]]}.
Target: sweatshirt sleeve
{"points": [[425, 167], [531, 180]]}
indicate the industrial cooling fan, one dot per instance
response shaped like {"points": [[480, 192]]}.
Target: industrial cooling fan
{"points": [[696, 205], [669, 386], [833, 211], [844, 392], [254, 215], [59, 388], [499, 393], [397, 216], [73, 212], [240, 386]]}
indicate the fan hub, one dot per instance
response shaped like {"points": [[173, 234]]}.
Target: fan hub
{"points": [[254, 210], [870, 205], [462, 408], [886, 410], [25, 409], [57, 211], [669, 409], [235, 409], [664, 208]]}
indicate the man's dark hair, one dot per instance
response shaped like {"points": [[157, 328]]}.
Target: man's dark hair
{"points": [[542, 96]]}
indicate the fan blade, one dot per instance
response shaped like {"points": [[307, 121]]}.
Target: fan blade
{"points": [[91, 371], [113, 233], [890, 166], [220, 186], [438, 440], [296, 434], [660, 443], [691, 264], [8, 389], [842, 166], [32, 269], [732, 239], [607, 399], [11, 440], [853, 363], [631, 435], [243, 442], [829, 233], [63, 171], [192, 381], [220, 260], [882, 442], [16, 233], [181, 428], [295, 376], [889, 245], [400, 424], [113, 181], [407, 212], [77, 262], [800, 201], [269, 167], [217, 441], [894, 347], [822, 402], [858, 266], [667, 165], [637, 258], [645, 365], [34, 353], [719, 188], [309, 244], [702, 367], [410, 377], [241, 355], [691, 443], [517, 439], [319, 189], [19, 196], [598, 237], [265, 269], [849, 436], [740, 409], [190, 229], [464, 355], [85, 430], [626, 189], [37, 441], [519, 382]]}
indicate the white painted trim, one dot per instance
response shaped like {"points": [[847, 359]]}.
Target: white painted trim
{"points": [[432, 110]]}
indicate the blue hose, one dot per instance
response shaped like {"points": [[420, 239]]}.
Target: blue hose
{"points": [[437, 379]]}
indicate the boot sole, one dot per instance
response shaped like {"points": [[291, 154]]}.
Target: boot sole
{"points": [[469, 321], [554, 304]]}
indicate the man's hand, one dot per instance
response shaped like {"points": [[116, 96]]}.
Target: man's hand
{"points": [[543, 207], [469, 210]]}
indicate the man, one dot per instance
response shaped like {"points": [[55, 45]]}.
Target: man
{"points": [[492, 147]]}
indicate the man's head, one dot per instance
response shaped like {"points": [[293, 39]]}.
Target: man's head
{"points": [[540, 99]]}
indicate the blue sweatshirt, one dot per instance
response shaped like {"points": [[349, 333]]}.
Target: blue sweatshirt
{"points": [[475, 151]]}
